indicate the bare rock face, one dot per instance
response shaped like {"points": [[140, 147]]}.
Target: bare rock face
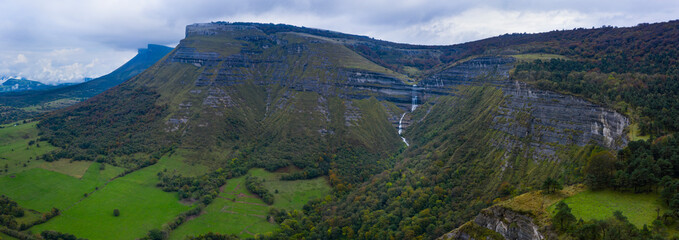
{"points": [[497, 223], [509, 224]]}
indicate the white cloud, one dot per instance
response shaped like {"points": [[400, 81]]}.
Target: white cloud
{"points": [[479, 23], [21, 59], [63, 65]]}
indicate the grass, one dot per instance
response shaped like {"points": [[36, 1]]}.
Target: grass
{"points": [[292, 194], [634, 134], [15, 152], [72, 168], [537, 203], [142, 206], [41, 190], [178, 163], [536, 56], [5, 237], [237, 211], [640, 209]]}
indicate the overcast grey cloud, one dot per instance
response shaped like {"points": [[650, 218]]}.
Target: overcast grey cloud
{"points": [[64, 41]]}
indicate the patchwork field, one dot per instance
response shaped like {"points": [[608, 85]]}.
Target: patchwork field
{"points": [[86, 194], [237, 211], [142, 206], [640, 209]]}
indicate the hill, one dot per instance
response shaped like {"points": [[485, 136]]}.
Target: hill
{"points": [[483, 121]]}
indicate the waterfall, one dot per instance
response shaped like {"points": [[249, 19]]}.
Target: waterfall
{"points": [[414, 97], [400, 129]]}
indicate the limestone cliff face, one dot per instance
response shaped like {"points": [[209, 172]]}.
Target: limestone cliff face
{"points": [[543, 118], [536, 120], [498, 223]]}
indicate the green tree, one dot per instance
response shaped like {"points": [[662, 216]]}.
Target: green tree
{"points": [[599, 169], [563, 216], [551, 185]]}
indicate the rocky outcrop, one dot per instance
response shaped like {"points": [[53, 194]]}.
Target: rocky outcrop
{"points": [[533, 119], [503, 223]]}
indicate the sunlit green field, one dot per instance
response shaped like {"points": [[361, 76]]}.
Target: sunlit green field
{"points": [[142, 207], [640, 209], [16, 154]]}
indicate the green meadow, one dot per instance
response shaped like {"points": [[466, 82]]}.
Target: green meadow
{"points": [[640, 209], [292, 194], [16, 154], [142, 206], [237, 211]]}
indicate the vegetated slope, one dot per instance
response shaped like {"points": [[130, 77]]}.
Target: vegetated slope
{"points": [[237, 96], [632, 70], [241, 99], [27, 104]]}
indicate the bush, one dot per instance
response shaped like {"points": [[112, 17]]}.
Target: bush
{"points": [[116, 212], [254, 185]]}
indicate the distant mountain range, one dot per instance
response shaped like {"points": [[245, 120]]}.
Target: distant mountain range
{"points": [[20, 84], [35, 97]]}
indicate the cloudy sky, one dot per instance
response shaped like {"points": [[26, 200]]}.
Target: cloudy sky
{"points": [[66, 40]]}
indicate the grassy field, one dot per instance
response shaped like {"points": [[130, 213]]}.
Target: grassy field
{"points": [[292, 194], [72, 168], [237, 211], [40, 189], [16, 154], [142, 206], [640, 209]]}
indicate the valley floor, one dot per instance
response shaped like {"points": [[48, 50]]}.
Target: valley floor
{"points": [[86, 193]]}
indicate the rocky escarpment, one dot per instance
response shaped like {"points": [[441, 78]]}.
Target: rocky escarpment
{"points": [[293, 61], [534, 119], [498, 223]]}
